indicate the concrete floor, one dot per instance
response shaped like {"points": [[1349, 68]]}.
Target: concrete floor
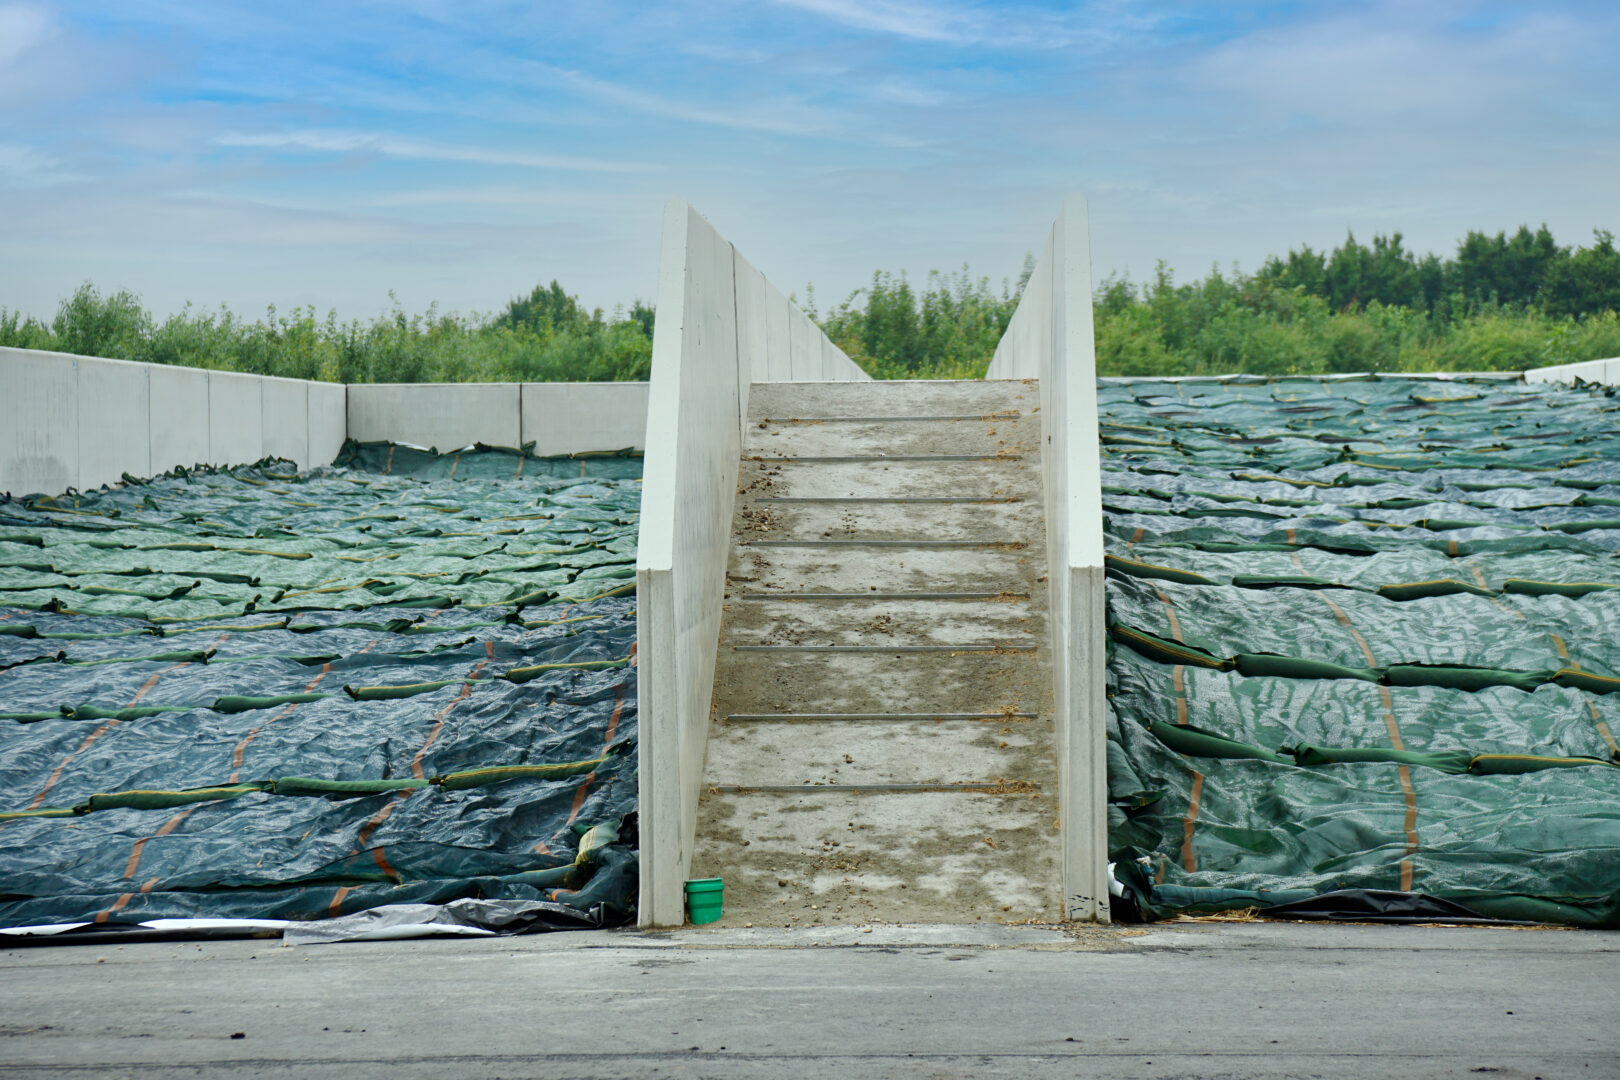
{"points": [[1251, 1000]]}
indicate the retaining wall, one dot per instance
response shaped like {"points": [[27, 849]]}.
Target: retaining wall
{"points": [[1050, 339], [559, 418], [80, 421], [1606, 372], [721, 326]]}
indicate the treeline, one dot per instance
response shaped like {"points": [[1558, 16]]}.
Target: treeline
{"points": [[1503, 302], [545, 336]]}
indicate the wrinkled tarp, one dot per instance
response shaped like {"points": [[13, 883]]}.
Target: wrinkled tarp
{"points": [[256, 693], [1362, 643]]}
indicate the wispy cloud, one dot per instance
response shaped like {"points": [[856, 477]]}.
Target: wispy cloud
{"points": [[919, 22], [1002, 25], [901, 92], [782, 116], [385, 145], [23, 27], [24, 166]]}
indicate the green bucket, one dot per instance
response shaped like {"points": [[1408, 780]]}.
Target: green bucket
{"points": [[705, 898]]}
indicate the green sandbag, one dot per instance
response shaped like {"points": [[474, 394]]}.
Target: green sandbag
{"points": [[1261, 581], [1463, 678], [193, 656], [1196, 742], [1573, 589], [1418, 590], [133, 712], [1311, 756], [1166, 652], [236, 703], [1585, 680], [1292, 667], [161, 800], [313, 786], [1586, 526], [524, 674], [391, 693], [22, 630], [471, 778], [1139, 569], [558, 877], [1514, 764]]}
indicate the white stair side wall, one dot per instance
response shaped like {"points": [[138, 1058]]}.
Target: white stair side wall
{"points": [[720, 327], [1050, 338]]}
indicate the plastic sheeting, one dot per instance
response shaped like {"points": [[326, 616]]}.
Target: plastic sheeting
{"points": [[1362, 645], [253, 693]]}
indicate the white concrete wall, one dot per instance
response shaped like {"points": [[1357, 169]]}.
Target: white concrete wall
{"points": [[445, 416], [80, 421], [83, 421], [115, 434], [1050, 338], [721, 326], [328, 421], [39, 444], [558, 418], [1605, 372], [284, 418], [571, 418], [179, 420]]}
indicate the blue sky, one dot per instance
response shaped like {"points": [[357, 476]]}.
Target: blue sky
{"points": [[213, 151]]}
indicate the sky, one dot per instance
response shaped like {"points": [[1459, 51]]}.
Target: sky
{"points": [[358, 155]]}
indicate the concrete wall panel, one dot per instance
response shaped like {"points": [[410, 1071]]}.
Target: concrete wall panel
{"points": [[235, 418], [284, 407], [328, 421], [1606, 372], [39, 445], [753, 322], [1050, 338], [84, 421], [445, 416], [115, 423], [179, 416], [714, 316], [571, 418], [803, 348], [778, 335]]}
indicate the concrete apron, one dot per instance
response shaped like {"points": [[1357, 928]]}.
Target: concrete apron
{"points": [[881, 746]]}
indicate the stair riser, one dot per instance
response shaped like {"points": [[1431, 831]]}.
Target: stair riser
{"points": [[931, 843], [875, 682], [754, 752]]}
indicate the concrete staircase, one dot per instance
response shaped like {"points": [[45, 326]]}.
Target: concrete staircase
{"points": [[881, 746]]}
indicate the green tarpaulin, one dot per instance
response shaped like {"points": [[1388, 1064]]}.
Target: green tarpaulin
{"points": [[254, 692], [1362, 637]]}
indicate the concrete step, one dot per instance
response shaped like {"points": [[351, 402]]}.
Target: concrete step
{"points": [[879, 622], [763, 682], [801, 859], [923, 397], [1005, 433], [883, 570], [935, 477], [752, 753], [1000, 520]]}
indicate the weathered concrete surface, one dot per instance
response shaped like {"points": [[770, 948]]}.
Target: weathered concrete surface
{"points": [[942, 604], [1187, 1000]]}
